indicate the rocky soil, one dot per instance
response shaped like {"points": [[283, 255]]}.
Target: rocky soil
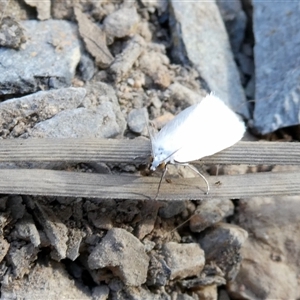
{"points": [[96, 69]]}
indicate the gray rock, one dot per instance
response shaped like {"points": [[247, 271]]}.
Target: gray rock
{"points": [[80, 122], [121, 23], [210, 212], [16, 115], [116, 252], [21, 259], [246, 64], [149, 245], [86, 67], [97, 94], [184, 260], [148, 216], [125, 60], [235, 21], [26, 229], [159, 272], [277, 59], [171, 208], [11, 33], [208, 292], [3, 203], [75, 236], [155, 63], [94, 38], [5, 219], [137, 120], [180, 296], [16, 207], [271, 249], [43, 8], [250, 88], [48, 60], [160, 5], [4, 246], [55, 230], [138, 293], [211, 275], [183, 96], [116, 285], [100, 292], [199, 36], [101, 220], [222, 245], [47, 280]]}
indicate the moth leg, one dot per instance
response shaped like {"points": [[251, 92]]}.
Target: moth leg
{"points": [[201, 175], [161, 178]]}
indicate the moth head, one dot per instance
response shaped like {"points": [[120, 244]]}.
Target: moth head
{"points": [[159, 157]]}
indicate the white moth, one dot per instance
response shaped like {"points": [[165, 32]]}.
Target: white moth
{"points": [[200, 130]]}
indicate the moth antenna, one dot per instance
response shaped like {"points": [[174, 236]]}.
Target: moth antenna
{"points": [[201, 175], [161, 178]]}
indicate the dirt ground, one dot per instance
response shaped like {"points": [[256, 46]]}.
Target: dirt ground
{"points": [[121, 63]]}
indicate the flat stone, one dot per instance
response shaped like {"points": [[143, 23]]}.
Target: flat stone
{"points": [[47, 60], [271, 249], [116, 252], [184, 260], [199, 36], [16, 114], [222, 244], [80, 122], [277, 57], [94, 38], [210, 212]]}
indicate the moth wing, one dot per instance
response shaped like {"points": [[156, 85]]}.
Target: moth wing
{"points": [[173, 135], [211, 128]]}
